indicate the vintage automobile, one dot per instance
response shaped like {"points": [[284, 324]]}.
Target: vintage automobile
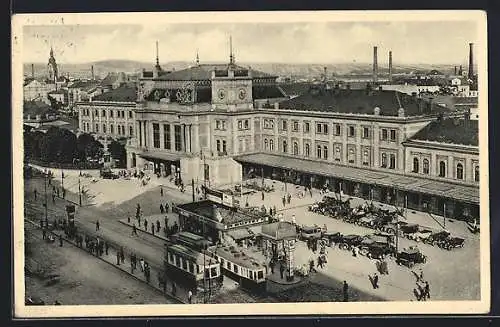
{"points": [[377, 250], [350, 241], [310, 233], [408, 229], [438, 238], [392, 227], [332, 238], [453, 242], [410, 256], [367, 221], [420, 235]]}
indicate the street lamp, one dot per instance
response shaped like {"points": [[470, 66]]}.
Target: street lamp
{"points": [[444, 215]]}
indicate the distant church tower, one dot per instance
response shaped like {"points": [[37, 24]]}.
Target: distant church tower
{"points": [[52, 67]]}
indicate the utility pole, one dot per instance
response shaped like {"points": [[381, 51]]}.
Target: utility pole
{"points": [[79, 192], [192, 186], [46, 203], [444, 215]]}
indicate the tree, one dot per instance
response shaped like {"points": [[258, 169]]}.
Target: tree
{"points": [[88, 146], [118, 152]]}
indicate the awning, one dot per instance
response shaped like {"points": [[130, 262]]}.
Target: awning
{"points": [[464, 193], [159, 156]]}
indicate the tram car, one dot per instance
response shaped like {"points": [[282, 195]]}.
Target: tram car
{"points": [[196, 270], [239, 266]]}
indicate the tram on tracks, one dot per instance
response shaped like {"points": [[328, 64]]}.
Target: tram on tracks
{"points": [[192, 268], [238, 265]]}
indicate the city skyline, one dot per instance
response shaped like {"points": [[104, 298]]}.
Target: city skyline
{"points": [[287, 43]]}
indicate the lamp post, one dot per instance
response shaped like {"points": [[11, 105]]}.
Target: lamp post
{"points": [[79, 192], [192, 186], [444, 215], [46, 203]]}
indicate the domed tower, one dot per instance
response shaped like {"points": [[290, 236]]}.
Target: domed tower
{"points": [[52, 67]]}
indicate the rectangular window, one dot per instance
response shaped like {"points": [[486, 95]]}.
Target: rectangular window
{"points": [[393, 135], [306, 127], [177, 261], [217, 124], [97, 128], [295, 126], [184, 264], [318, 151], [240, 124], [213, 272], [103, 113], [177, 138], [235, 269], [130, 131], [260, 274], [218, 145], [223, 125], [130, 114], [337, 129], [112, 129], [283, 125], [111, 113], [325, 128], [246, 124], [384, 134], [166, 137], [223, 146], [96, 113], [318, 128], [104, 128], [366, 132], [191, 267], [392, 161], [156, 135], [207, 273], [325, 152], [352, 131]]}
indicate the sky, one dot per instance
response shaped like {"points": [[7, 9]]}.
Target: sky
{"points": [[320, 42]]}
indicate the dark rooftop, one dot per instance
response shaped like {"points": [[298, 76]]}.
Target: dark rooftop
{"points": [[361, 102], [124, 93], [204, 72], [456, 131], [34, 108], [211, 209], [82, 84]]}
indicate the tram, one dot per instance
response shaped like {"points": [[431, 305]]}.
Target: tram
{"points": [[196, 270], [241, 267], [190, 240]]}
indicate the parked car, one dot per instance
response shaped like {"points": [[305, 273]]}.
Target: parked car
{"points": [[108, 174], [377, 250], [350, 241], [421, 234], [453, 242], [310, 233], [408, 229], [410, 256], [437, 238], [332, 238]]}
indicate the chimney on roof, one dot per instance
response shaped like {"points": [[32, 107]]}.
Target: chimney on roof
{"points": [[92, 72], [390, 66], [324, 72], [460, 71], [32, 70], [375, 65], [471, 60], [455, 71]]}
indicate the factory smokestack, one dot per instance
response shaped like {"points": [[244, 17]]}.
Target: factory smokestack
{"points": [[92, 72], [455, 71], [390, 66], [471, 60], [375, 65], [32, 71]]}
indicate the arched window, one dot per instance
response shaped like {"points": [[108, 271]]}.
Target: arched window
{"points": [[285, 147], [350, 156], [325, 152], [384, 160], [271, 145], [425, 166], [104, 128], [307, 150], [392, 161], [442, 169], [415, 165], [460, 171], [218, 145], [295, 148], [266, 145], [112, 129], [318, 151], [366, 158], [476, 174]]}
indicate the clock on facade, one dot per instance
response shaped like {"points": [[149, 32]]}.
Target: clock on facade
{"points": [[242, 93], [222, 94]]}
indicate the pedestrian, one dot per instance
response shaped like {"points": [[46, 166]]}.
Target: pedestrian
{"points": [[35, 193], [345, 292], [153, 229], [283, 200], [427, 293], [60, 240], [97, 225], [190, 297], [354, 254], [375, 281], [421, 275], [293, 220], [134, 230], [161, 190], [64, 193], [262, 195], [122, 254], [142, 264], [158, 226], [272, 265], [148, 274], [117, 258], [145, 225], [289, 198], [311, 266], [128, 219], [167, 207], [53, 198], [44, 233], [162, 210], [282, 270], [311, 192]]}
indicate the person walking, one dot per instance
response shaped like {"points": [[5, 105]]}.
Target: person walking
{"points": [[142, 264], [345, 291], [118, 258], [375, 281], [272, 264], [158, 226], [145, 225], [122, 254], [97, 225], [128, 219], [106, 247], [282, 270], [161, 190], [283, 200], [148, 274], [134, 230], [162, 210], [153, 229], [190, 297], [167, 207], [427, 293], [289, 198], [262, 195], [44, 233], [35, 193], [60, 240]]}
